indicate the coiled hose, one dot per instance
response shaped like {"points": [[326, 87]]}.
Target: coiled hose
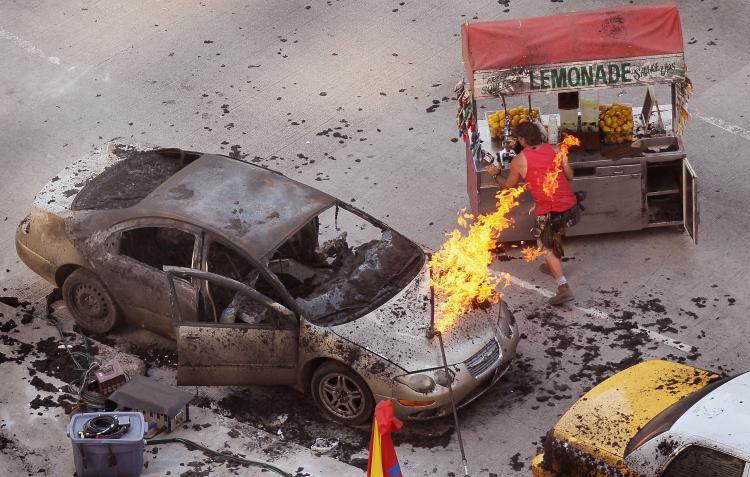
{"points": [[103, 427], [227, 457]]}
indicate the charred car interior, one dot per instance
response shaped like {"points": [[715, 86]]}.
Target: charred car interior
{"points": [[339, 266]]}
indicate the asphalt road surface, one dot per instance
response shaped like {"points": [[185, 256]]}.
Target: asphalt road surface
{"points": [[354, 98]]}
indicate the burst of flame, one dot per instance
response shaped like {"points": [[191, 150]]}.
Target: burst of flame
{"points": [[460, 269], [549, 186], [531, 253]]}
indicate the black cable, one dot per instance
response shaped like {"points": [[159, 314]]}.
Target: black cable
{"points": [[219, 455], [103, 427]]}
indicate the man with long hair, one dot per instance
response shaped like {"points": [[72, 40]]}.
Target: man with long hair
{"points": [[554, 212]]}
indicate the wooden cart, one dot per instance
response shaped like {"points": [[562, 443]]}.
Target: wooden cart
{"points": [[640, 184]]}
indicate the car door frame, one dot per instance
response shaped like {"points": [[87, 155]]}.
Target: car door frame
{"points": [[129, 289], [282, 347], [265, 272]]}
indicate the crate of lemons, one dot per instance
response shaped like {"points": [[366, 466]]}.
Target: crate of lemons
{"points": [[517, 116], [616, 123]]}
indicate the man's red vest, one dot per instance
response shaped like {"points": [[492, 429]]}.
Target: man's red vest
{"points": [[539, 162]]}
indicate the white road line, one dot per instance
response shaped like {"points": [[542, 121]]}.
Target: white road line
{"points": [[27, 46], [729, 127], [655, 336]]}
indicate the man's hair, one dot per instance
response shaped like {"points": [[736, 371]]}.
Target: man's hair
{"points": [[530, 132]]}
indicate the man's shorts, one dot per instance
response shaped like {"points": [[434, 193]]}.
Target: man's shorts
{"points": [[549, 229]]}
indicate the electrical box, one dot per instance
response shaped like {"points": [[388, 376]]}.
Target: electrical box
{"points": [[109, 377]]}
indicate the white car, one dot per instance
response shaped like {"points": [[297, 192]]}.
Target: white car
{"points": [[706, 434]]}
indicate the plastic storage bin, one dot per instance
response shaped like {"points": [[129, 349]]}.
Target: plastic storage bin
{"points": [[121, 457]]}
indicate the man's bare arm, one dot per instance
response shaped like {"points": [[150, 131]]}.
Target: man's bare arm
{"points": [[567, 170], [514, 176]]}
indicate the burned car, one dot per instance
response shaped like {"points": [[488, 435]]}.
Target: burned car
{"points": [[260, 279]]}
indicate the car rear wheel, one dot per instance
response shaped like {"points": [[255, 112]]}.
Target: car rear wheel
{"points": [[89, 302], [341, 394]]}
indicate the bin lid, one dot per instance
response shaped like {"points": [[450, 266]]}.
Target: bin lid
{"points": [[133, 434], [146, 394]]}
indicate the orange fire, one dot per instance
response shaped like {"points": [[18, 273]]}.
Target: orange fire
{"points": [[530, 254], [549, 186], [460, 269]]}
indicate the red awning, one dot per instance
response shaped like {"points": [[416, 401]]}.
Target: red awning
{"points": [[625, 32]]}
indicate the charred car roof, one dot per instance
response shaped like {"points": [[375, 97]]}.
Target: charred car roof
{"points": [[254, 207]]}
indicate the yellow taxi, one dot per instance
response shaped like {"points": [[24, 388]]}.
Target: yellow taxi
{"points": [[657, 418]]}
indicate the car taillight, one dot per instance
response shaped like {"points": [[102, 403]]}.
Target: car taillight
{"points": [[25, 225]]}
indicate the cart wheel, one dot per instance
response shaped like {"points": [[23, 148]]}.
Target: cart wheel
{"points": [[341, 394], [89, 302]]}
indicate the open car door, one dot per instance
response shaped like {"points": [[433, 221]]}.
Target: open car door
{"points": [[690, 211], [254, 341]]}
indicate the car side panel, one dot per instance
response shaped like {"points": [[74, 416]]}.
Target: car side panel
{"points": [[320, 343], [142, 293], [232, 354]]}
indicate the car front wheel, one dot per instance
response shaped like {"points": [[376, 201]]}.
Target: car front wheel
{"points": [[89, 302], [341, 394]]}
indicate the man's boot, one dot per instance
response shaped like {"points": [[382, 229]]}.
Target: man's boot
{"points": [[564, 294]]}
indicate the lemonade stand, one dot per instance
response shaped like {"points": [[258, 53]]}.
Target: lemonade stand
{"points": [[615, 78]]}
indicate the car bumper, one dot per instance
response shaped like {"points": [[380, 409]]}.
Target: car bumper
{"points": [[536, 467], [466, 387], [38, 264]]}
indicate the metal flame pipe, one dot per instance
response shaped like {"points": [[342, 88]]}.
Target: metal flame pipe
{"points": [[431, 329], [431, 333], [453, 405]]}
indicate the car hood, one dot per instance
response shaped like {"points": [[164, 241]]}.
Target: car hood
{"points": [[397, 330], [606, 418]]}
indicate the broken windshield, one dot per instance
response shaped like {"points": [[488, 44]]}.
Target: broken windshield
{"points": [[341, 265]]}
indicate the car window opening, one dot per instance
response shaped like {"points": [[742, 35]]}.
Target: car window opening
{"points": [[228, 306], [128, 181], [158, 246], [339, 266]]}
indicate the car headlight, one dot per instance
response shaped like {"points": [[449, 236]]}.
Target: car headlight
{"points": [[420, 383], [443, 378]]}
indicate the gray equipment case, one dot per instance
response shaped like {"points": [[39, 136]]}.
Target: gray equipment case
{"points": [[121, 457]]}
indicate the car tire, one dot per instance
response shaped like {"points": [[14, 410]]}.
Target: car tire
{"points": [[89, 302], [341, 394]]}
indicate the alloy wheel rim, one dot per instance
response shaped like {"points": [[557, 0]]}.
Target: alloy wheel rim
{"points": [[342, 396]]}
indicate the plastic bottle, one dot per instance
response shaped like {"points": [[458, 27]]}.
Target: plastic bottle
{"points": [[552, 132], [567, 103]]}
